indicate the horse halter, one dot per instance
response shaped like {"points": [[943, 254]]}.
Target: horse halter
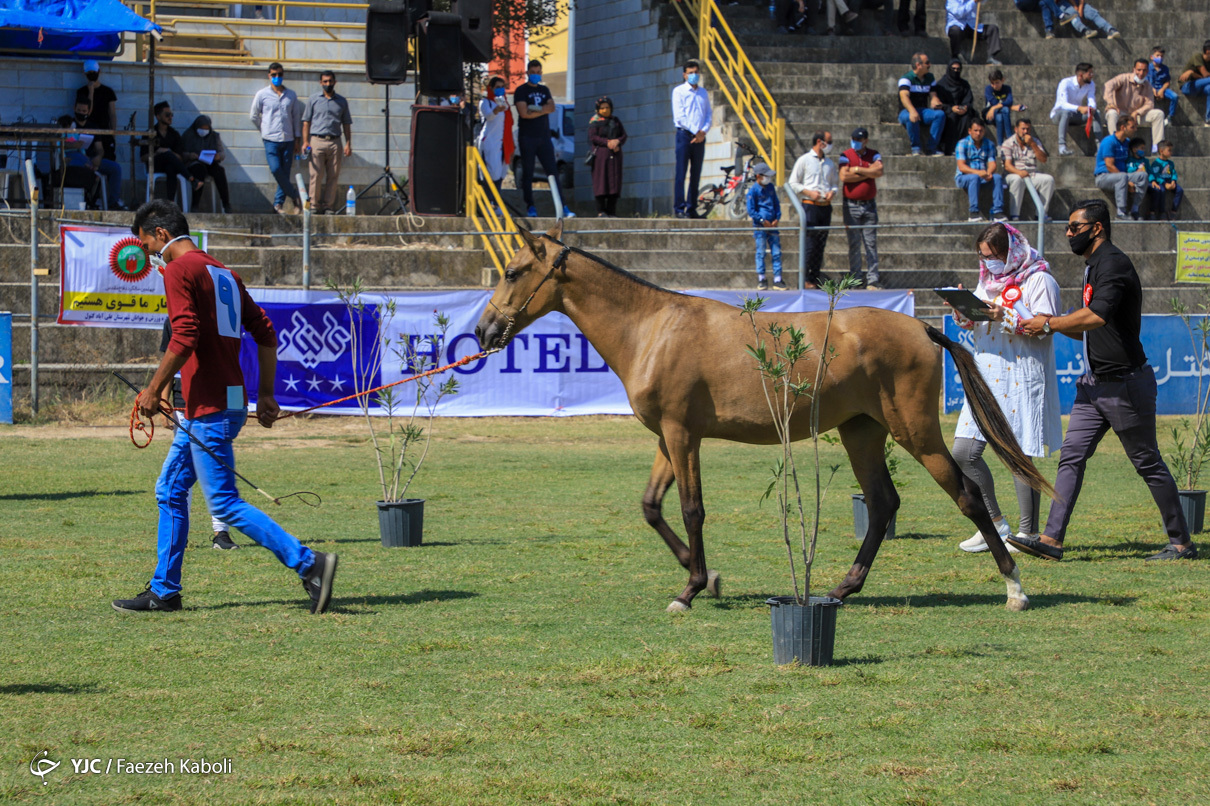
{"points": [[560, 262]]}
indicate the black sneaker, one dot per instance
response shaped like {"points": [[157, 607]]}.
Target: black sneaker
{"points": [[147, 600], [222, 540], [1035, 547], [779, 285], [318, 581], [762, 285], [1174, 552]]}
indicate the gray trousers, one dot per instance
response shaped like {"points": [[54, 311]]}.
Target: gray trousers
{"points": [[1119, 183], [1067, 118], [968, 453], [1128, 407], [858, 215]]}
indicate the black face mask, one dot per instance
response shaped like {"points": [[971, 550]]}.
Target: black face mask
{"points": [[1080, 242], [92, 76], [328, 89], [954, 72], [81, 118]]}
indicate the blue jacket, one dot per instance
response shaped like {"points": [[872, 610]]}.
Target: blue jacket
{"points": [[763, 204]]}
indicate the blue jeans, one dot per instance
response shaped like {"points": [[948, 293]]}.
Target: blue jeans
{"points": [[281, 157], [689, 156], [1158, 198], [773, 239], [1050, 12], [112, 171], [1199, 86], [1091, 17], [1004, 124], [1172, 97], [185, 464], [971, 184], [933, 118]]}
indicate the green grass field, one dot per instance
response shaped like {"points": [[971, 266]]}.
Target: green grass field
{"points": [[523, 654]]}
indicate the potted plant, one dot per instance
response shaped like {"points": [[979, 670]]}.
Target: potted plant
{"points": [[804, 626], [861, 516], [1191, 436], [403, 434]]}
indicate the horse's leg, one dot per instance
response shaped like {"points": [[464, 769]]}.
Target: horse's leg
{"points": [[683, 456], [863, 440], [662, 478]]}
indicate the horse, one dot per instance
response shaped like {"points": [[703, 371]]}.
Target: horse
{"points": [[688, 377]]}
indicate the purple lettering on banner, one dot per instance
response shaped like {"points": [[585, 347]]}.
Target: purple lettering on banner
{"points": [[550, 345], [584, 347], [451, 355], [509, 356]]}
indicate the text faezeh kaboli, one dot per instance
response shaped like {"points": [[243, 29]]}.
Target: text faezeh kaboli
{"points": [[166, 766]]}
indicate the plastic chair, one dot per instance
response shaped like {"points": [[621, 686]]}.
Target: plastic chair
{"points": [[186, 190]]}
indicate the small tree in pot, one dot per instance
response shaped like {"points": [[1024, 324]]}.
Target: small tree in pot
{"points": [[1191, 436], [403, 436]]}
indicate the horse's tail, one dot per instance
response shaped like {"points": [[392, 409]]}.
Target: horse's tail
{"points": [[988, 415]]}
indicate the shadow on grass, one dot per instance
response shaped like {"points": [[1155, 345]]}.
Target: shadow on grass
{"points": [[1126, 550], [67, 495], [341, 605], [913, 536], [51, 688], [1037, 601], [862, 660]]}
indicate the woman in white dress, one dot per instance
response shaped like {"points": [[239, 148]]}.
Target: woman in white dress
{"points": [[493, 111], [1019, 369]]}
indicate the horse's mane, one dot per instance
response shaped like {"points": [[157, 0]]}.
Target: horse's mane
{"points": [[622, 273]]}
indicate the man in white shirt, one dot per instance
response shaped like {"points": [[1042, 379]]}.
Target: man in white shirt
{"points": [[691, 113], [817, 183], [278, 114], [1076, 102]]}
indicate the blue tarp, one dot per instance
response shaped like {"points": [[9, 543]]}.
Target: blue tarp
{"points": [[72, 16]]}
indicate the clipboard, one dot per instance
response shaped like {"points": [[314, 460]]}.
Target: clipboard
{"points": [[966, 303]]}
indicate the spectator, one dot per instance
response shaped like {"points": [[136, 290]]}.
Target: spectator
{"points": [[691, 114], [325, 117], [1019, 369], [91, 155], [1050, 13], [1021, 154], [795, 15], [860, 166], [960, 24], [847, 17], [606, 135], [1161, 80], [1076, 101], [1195, 78], [1138, 156], [1163, 180], [1111, 174], [956, 99], [917, 21], [1000, 106], [102, 105], [278, 114], [534, 103], [168, 151], [1085, 20], [765, 211], [1130, 94], [78, 172], [917, 99], [203, 152], [496, 148], [976, 158], [814, 179]]}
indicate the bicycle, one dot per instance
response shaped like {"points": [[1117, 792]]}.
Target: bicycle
{"points": [[732, 191]]}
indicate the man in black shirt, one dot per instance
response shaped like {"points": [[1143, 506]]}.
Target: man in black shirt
{"points": [[168, 154], [534, 104], [1117, 389], [103, 107]]}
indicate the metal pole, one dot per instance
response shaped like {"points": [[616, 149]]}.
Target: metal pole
{"points": [[802, 234], [151, 119], [1040, 243], [32, 181], [558, 198], [306, 215]]}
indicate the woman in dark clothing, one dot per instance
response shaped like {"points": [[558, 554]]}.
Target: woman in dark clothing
{"points": [[198, 140], [958, 101], [606, 136]]}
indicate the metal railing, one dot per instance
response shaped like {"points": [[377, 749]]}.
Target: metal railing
{"points": [[485, 208], [737, 79]]}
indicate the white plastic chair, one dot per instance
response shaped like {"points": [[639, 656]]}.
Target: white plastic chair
{"points": [[186, 190]]}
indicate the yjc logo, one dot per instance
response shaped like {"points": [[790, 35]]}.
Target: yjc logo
{"points": [[42, 767]]}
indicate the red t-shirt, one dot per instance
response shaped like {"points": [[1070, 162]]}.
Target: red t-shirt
{"points": [[208, 306], [865, 189]]}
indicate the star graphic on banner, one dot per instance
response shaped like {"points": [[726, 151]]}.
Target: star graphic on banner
{"points": [[337, 384], [292, 383], [313, 384]]}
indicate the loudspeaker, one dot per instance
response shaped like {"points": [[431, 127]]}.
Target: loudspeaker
{"points": [[437, 162], [476, 29], [439, 54], [387, 30]]}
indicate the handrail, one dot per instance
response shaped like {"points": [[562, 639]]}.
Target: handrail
{"points": [[1040, 242], [485, 208], [736, 77], [802, 233]]}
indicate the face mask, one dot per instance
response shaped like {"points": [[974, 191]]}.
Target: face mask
{"points": [[1138, 79], [498, 92], [454, 100], [827, 148], [693, 78], [996, 267], [157, 258], [535, 78], [92, 76], [857, 146], [276, 80], [1079, 243], [81, 118], [762, 180], [1157, 59], [202, 132], [328, 88]]}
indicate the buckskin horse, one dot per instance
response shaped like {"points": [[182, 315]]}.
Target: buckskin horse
{"points": [[688, 377]]}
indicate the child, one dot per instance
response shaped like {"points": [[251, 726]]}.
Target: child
{"points": [[1137, 161], [1158, 75], [1163, 181], [765, 211], [1000, 106]]}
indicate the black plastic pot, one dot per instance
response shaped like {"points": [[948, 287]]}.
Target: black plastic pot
{"points": [[861, 519], [804, 634], [401, 523], [1193, 502]]}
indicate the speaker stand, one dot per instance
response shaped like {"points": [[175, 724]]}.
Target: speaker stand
{"points": [[393, 194]]}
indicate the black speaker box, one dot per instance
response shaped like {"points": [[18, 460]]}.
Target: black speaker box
{"points": [[437, 162], [387, 29], [439, 54], [476, 29]]}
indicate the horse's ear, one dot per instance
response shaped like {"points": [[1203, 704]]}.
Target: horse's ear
{"points": [[556, 232], [534, 242]]}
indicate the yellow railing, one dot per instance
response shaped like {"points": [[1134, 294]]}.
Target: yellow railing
{"points": [[736, 77], [486, 210]]}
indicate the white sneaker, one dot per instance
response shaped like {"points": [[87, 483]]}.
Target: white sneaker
{"points": [[976, 543]]}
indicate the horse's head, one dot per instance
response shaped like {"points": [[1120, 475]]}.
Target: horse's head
{"points": [[528, 289]]}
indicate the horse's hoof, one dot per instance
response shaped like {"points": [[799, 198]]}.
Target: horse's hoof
{"points": [[714, 584], [1017, 605], [677, 606]]}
